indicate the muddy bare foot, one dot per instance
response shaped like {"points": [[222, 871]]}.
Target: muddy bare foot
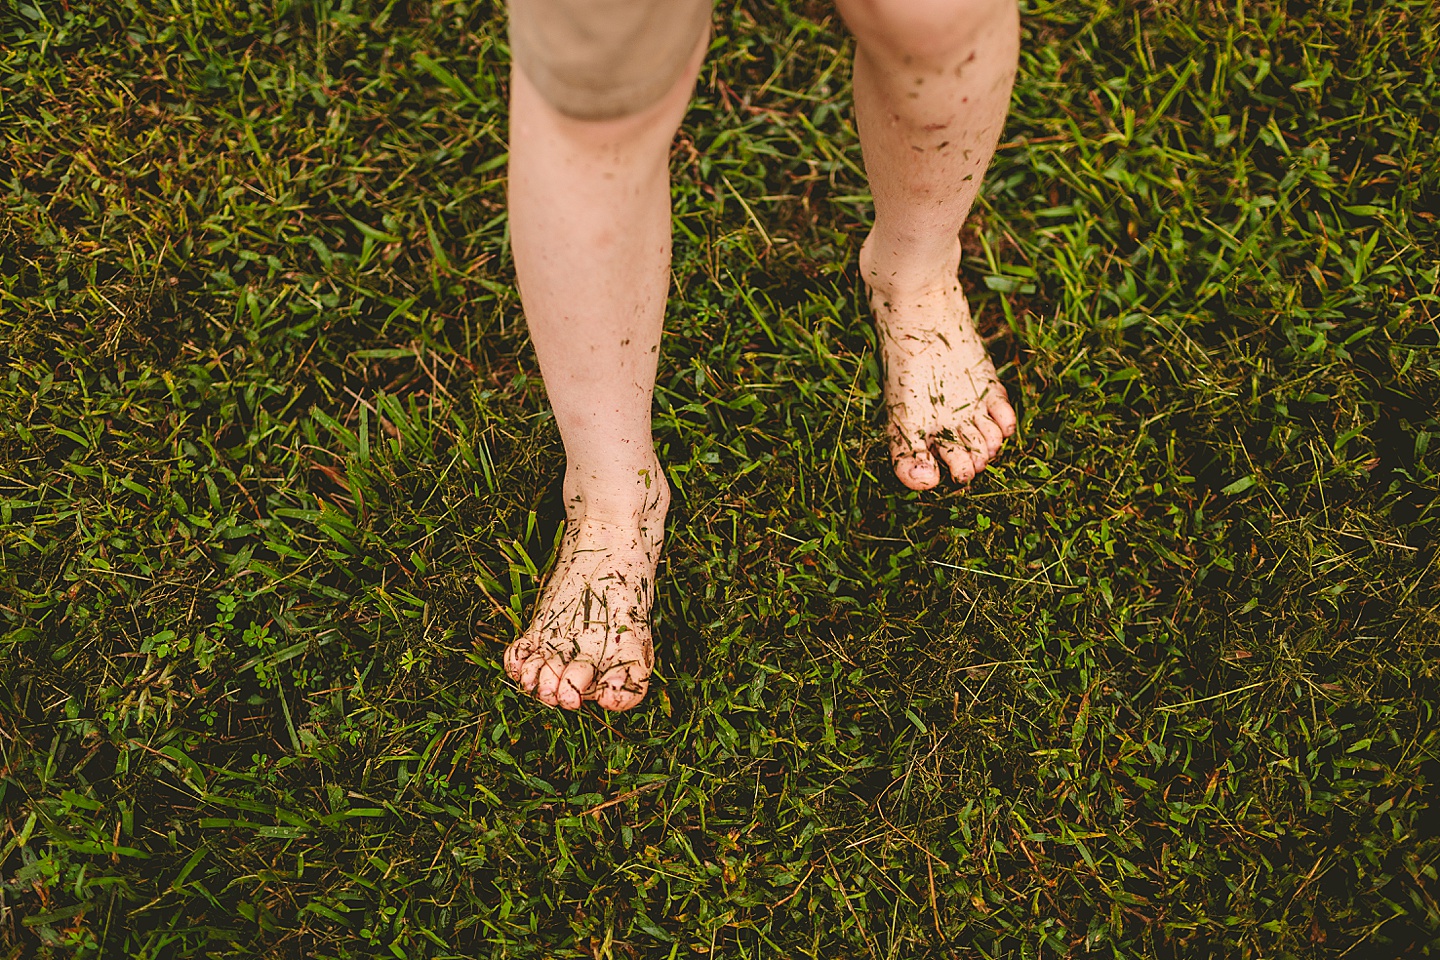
{"points": [[590, 639], [941, 391]]}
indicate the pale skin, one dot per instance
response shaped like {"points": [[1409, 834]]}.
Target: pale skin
{"points": [[590, 230]]}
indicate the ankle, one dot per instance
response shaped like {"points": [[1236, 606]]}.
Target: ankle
{"points": [[618, 495], [893, 267]]}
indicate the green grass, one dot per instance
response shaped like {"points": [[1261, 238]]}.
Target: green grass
{"points": [[277, 482]]}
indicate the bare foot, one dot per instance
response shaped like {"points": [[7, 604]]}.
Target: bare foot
{"points": [[590, 639], [941, 391]]}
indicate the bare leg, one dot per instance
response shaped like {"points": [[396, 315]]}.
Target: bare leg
{"points": [[590, 228], [932, 85]]}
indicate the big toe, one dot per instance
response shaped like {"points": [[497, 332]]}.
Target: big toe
{"points": [[617, 690], [916, 467]]}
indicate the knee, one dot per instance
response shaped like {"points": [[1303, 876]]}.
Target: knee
{"points": [[591, 89], [605, 59], [923, 29], [586, 81]]}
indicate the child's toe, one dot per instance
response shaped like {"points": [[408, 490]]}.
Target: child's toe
{"points": [[990, 437], [957, 459], [1000, 410], [619, 690], [547, 684], [914, 463], [515, 656], [530, 671], [575, 683]]}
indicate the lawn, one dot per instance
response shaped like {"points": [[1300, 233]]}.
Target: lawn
{"points": [[278, 482]]}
